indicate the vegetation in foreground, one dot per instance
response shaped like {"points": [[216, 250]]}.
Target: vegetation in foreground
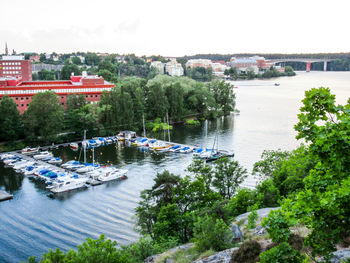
{"points": [[311, 183]]}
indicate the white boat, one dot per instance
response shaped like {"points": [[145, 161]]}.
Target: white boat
{"points": [[186, 149], [68, 184], [43, 155], [11, 159], [87, 168], [141, 142], [31, 169], [69, 163], [113, 174], [20, 165], [29, 150], [74, 145], [6, 156], [55, 160]]}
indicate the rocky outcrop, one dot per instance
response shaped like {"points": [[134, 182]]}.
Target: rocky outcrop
{"points": [[237, 235], [263, 212], [154, 258], [340, 256], [221, 257]]}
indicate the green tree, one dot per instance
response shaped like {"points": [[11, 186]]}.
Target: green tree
{"points": [[157, 102], [10, 122], [228, 175], [92, 59], [76, 60], [106, 74], [271, 161], [175, 96], [224, 96], [44, 116], [42, 57], [68, 69]]}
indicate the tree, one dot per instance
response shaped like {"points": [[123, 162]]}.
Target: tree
{"points": [[224, 96], [10, 122], [271, 161], [175, 96], [46, 75], [228, 175], [44, 116], [42, 57], [92, 59], [76, 60], [157, 102], [106, 74], [68, 69]]}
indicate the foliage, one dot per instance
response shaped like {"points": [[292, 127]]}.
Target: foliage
{"points": [[228, 175], [199, 73], [44, 116], [252, 218], [68, 69], [277, 225], [10, 122], [268, 195], [193, 122], [90, 251], [240, 203], [248, 252], [211, 234], [224, 96], [46, 75], [282, 253], [271, 161]]}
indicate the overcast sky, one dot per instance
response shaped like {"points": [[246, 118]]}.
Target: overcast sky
{"points": [[175, 28]]}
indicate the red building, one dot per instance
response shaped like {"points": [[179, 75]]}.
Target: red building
{"points": [[23, 91], [16, 66]]}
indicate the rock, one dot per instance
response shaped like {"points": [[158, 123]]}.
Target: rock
{"points": [[237, 234], [340, 256], [220, 257], [263, 212], [259, 231], [151, 259]]}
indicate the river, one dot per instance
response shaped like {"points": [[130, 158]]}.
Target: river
{"points": [[32, 222]]}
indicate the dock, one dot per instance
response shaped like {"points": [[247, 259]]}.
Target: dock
{"points": [[52, 166], [5, 196]]}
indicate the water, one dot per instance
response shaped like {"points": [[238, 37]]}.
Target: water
{"points": [[32, 223]]}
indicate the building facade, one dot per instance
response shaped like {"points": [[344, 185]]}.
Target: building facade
{"points": [[23, 91], [173, 68], [158, 65], [16, 67], [197, 63]]}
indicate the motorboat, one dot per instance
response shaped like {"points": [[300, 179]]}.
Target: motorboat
{"points": [[29, 150], [24, 163], [75, 166], [68, 184], [43, 155], [141, 142], [109, 140], [55, 160], [126, 135], [174, 148], [69, 163], [94, 143], [113, 174], [12, 159], [87, 168], [186, 149], [31, 170], [74, 145], [197, 152], [6, 156]]}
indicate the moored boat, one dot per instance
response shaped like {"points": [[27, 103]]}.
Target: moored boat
{"points": [[29, 150], [74, 145], [43, 155]]}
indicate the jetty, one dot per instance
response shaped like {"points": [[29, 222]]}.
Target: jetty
{"points": [[5, 196]]}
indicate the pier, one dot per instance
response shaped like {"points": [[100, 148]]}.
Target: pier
{"points": [[5, 196]]}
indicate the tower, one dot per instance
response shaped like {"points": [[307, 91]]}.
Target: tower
{"points": [[6, 49]]}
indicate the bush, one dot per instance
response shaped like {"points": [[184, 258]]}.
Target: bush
{"points": [[247, 253], [277, 225], [252, 218], [296, 241], [193, 122], [282, 253], [211, 234]]}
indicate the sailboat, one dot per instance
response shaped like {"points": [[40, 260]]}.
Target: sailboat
{"points": [[212, 154]]}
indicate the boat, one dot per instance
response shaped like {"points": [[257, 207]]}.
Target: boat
{"points": [[6, 156], [276, 84], [31, 170], [68, 184], [126, 135], [198, 151], [29, 150], [23, 164], [87, 168], [43, 155], [11, 159], [142, 142], [174, 148], [55, 160], [112, 174], [74, 145], [74, 166], [186, 149]]}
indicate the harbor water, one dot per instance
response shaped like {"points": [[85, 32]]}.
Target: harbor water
{"points": [[31, 223]]}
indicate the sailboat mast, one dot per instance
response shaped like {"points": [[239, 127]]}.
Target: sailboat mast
{"points": [[167, 120], [143, 122], [85, 146]]}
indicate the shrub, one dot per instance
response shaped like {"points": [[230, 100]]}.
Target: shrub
{"points": [[211, 234], [277, 225], [252, 218], [296, 241], [247, 253], [282, 253]]}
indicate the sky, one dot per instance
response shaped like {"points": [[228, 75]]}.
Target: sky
{"points": [[175, 28]]}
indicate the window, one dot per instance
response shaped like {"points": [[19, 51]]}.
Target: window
{"points": [[96, 96], [27, 98], [22, 105], [17, 99], [27, 105], [62, 103]]}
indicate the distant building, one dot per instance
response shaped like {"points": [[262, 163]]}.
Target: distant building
{"points": [[196, 63], [219, 69], [34, 58], [16, 66], [23, 91], [158, 65], [254, 63], [173, 68]]}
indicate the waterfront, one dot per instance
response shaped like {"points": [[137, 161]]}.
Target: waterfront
{"points": [[32, 223]]}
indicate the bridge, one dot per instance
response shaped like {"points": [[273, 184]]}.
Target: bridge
{"points": [[308, 61]]}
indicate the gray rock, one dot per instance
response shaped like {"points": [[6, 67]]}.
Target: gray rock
{"points": [[263, 212], [340, 256], [151, 259], [259, 231], [220, 257], [237, 235]]}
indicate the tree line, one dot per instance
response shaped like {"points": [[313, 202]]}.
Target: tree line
{"points": [[124, 107]]}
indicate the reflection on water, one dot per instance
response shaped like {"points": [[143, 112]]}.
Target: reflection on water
{"points": [[32, 222]]}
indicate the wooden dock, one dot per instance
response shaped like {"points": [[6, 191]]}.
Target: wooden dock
{"points": [[5, 196]]}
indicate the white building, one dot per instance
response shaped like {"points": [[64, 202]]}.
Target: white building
{"points": [[218, 69], [173, 68], [196, 63], [158, 65]]}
